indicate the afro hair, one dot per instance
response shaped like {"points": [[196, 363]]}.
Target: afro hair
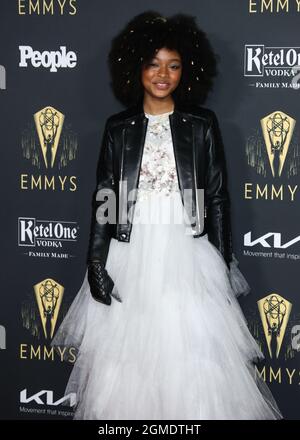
{"points": [[145, 35]]}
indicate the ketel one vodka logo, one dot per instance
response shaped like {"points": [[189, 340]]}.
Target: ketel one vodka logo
{"points": [[46, 143], [48, 294], [263, 61], [274, 313], [274, 149], [33, 232]]}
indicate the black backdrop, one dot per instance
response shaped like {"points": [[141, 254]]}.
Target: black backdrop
{"points": [[256, 105]]}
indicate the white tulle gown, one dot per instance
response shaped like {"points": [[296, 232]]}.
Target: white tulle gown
{"points": [[177, 345]]}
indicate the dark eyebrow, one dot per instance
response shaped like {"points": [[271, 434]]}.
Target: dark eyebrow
{"points": [[173, 59]]}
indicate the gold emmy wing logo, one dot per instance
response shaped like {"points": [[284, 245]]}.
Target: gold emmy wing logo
{"points": [[273, 147], [49, 141], [48, 294], [274, 312], [277, 128], [49, 123]]}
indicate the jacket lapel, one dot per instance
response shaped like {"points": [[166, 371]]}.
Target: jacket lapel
{"points": [[133, 145], [183, 144]]}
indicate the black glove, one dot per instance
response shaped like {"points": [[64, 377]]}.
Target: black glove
{"points": [[101, 284]]}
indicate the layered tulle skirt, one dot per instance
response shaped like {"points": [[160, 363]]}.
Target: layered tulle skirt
{"points": [[174, 343]]}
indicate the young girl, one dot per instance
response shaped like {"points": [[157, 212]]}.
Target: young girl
{"points": [[159, 331]]}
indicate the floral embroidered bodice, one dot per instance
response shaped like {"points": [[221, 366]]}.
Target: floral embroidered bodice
{"points": [[158, 169]]}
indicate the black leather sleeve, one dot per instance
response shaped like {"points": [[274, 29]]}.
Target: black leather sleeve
{"points": [[217, 195], [100, 234]]}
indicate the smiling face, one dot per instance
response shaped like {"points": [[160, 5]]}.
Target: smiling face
{"points": [[161, 75]]}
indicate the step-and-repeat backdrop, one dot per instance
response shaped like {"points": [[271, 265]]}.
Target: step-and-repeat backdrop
{"points": [[55, 97]]}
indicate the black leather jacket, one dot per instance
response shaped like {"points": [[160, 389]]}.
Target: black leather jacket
{"points": [[200, 163]]}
